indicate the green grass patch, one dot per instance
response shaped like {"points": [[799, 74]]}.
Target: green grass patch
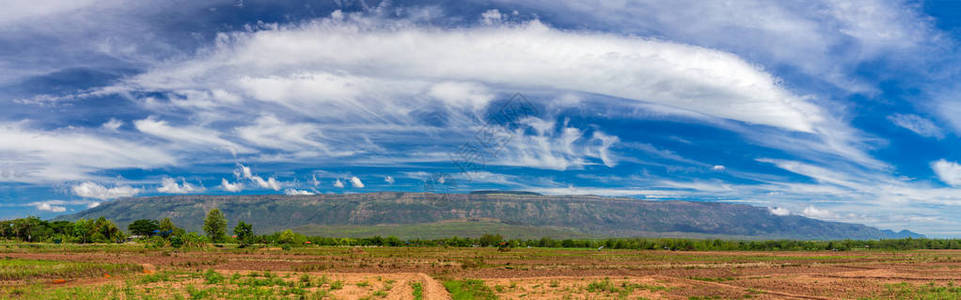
{"points": [[31, 269], [622, 289], [418, 290], [469, 289], [930, 291]]}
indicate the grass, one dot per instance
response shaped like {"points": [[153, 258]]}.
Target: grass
{"points": [[31, 269], [418, 290], [623, 289], [469, 289], [207, 284], [930, 291]]}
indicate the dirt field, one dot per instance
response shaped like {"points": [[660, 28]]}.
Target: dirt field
{"points": [[485, 273]]}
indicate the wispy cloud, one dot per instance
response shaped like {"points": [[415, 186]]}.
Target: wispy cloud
{"points": [[917, 124]]}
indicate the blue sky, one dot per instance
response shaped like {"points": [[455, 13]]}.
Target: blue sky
{"points": [[832, 110]]}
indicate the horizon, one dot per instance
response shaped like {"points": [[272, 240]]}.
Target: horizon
{"points": [[837, 112]]}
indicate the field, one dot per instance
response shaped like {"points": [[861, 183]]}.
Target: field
{"points": [[48, 271]]}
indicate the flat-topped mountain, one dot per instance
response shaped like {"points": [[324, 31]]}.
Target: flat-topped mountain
{"points": [[512, 214]]}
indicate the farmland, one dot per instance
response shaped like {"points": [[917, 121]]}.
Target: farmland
{"points": [[135, 271]]}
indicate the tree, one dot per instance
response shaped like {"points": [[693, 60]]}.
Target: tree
{"points": [[490, 239], [245, 234], [215, 225], [144, 227], [289, 237], [168, 229], [106, 231]]}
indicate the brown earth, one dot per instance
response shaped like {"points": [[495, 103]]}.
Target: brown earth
{"points": [[562, 273]]}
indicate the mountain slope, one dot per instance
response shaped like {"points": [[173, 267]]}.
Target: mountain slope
{"points": [[596, 216]]}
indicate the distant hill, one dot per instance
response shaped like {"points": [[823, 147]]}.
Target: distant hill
{"points": [[515, 215]]}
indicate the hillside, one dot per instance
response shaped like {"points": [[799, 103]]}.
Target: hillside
{"points": [[520, 215]]}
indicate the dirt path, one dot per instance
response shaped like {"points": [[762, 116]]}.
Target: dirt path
{"points": [[433, 290]]}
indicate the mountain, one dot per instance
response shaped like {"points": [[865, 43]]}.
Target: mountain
{"points": [[512, 214]]}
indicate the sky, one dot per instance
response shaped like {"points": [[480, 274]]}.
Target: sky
{"points": [[832, 110]]}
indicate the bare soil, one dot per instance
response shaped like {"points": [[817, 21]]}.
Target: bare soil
{"points": [[565, 274]]}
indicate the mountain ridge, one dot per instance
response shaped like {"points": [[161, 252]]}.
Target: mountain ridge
{"points": [[591, 215]]}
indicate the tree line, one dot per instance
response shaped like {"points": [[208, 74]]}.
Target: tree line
{"points": [[164, 233]]}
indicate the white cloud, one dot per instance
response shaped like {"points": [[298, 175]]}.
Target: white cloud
{"points": [[917, 124], [50, 208], [15, 12], [338, 72], [485, 177], [948, 172], [827, 43], [491, 17], [269, 183], [718, 168], [297, 192], [462, 94], [552, 145], [701, 80], [192, 135], [389, 179], [66, 154], [54, 205], [92, 190], [112, 125], [779, 211], [356, 183], [813, 212], [270, 132], [338, 184], [231, 187], [170, 185]]}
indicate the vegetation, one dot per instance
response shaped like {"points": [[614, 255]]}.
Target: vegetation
{"points": [[183, 285], [927, 291], [623, 289], [33, 229], [144, 227], [244, 234], [215, 225], [418, 290], [32, 269], [469, 289], [167, 234]]}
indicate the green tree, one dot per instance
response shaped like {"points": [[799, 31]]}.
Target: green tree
{"points": [[144, 227], [245, 234], [490, 239], [82, 230], [215, 225], [105, 231], [168, 229], [287, 237]]}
